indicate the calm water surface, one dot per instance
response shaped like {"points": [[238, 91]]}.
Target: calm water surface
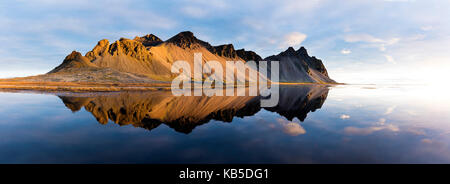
{"points": [[311, 124]]}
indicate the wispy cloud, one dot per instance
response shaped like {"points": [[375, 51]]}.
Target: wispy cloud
{"points": [[366, 38], [390, 59], [346, 51], [369, 130], [293, 39], [389, 110]]}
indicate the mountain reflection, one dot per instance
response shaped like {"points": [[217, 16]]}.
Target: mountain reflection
{"points": [[150, 109]]}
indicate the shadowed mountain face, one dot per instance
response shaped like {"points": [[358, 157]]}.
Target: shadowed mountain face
{"points": [[298, 66], [150, 109]]}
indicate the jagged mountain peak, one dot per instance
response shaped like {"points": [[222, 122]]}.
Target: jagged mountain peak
{"points": [[74, 55], [186, 39], [302, 51], [248, 55], [103, 42], [288, 52], [148, 40], [226, 50], [73, 61]]}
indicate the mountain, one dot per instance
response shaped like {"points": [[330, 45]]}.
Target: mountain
{"points": [[148, 58], [74, 61], [298, 66]]}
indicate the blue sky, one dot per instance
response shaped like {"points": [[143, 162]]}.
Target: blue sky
{"points": [[373, 41]]}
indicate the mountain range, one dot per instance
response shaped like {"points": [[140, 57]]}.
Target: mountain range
{"points": [[149, 59]]}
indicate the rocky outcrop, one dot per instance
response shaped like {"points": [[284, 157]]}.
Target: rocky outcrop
{"points": [[248, 55], [312, 62], [100, 49], [226, 50], [148, 40], [73, 61], [187, 40], [126, 47], [298, 66]]}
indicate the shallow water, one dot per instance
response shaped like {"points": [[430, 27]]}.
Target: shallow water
{"points": [[311, 124]]}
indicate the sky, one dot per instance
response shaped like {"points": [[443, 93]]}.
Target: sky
{"points": [[359, 41]]}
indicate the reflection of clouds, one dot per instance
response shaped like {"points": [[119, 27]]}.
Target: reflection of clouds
{"points": [[411, 112], [368, 130], [416, 131], [291, 128], [344, 116], [390, 110], [427, 141], [381, 121]]}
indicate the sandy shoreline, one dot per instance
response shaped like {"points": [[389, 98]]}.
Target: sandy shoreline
{"points": [[81, 86]]}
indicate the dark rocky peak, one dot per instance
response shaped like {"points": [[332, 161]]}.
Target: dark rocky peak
{"points": [[226, 50], [148, 40], [187, 39], [248, 55], [289, 52], [302, 51]]}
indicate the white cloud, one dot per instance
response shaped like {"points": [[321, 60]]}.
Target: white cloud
{"points": [[369, 130], [426, 28], [346, 51], [380, 125], [369, 39], [390, 59], [376, 42], [293, 39], [345, 116], [389, 110], [291, 128]]}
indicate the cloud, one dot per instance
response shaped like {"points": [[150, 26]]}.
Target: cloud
{"points": [[362, 38], [346, 51], [426, 28], [381, 125], [293, 39], [194, 11], [389, 110], [376, 42], [203, 8], [390, 59], [369, 130], [291, 128], [427, 141], [381, 121], [345, 116]]}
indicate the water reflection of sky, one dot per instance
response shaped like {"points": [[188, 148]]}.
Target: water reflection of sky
{"points": [[357, 124]]}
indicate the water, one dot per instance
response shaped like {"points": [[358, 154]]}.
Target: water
{"points": [[312, 124]]}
